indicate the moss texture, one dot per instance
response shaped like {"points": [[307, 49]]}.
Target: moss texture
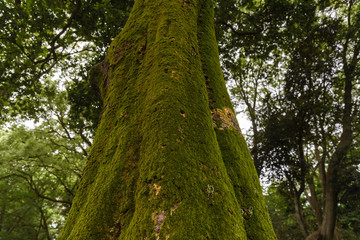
{"points": [[235, 154], [168, 160]]}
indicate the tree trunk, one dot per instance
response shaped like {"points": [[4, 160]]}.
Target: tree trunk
{"points": [[327, 230], [331, 201], [300, 215], [168, 160], [314, 203]]}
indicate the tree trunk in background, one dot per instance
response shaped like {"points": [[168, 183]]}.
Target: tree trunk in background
{"points": [[300, 215], [168, 160], [313, 201], [331, 186], [331, 191]]}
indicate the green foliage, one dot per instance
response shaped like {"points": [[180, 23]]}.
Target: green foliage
{"points": [[40, 169], [85, 106], [254, 53], [282, 213], [287, 64], [40, 37], [38, 180]]}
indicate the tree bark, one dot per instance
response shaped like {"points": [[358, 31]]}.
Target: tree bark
{"points": [[314, 202], [300, 215], [168, 160], [331, 189]]}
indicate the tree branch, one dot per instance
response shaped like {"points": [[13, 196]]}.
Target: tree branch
{"points": [[240, 33]]}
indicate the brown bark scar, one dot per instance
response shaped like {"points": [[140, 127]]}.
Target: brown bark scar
{"points": [[174, 208], [158, 220], [225, 119]]}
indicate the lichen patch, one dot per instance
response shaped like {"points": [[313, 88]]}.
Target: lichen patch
{"points": [[174, 75], [158, 219], [225, 119], [157, 189], [247, 212]]}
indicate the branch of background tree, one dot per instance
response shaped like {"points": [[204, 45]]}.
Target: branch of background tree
{"points": [[240, 33]]}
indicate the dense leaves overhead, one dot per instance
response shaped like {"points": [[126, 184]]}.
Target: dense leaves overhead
{"points": [[41, 37], [40, 169]]}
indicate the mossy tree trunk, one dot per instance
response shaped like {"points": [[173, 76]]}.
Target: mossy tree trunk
{"points": [[168, 160]]}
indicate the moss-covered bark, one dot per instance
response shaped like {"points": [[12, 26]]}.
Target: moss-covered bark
{"points": [[168, 160]]}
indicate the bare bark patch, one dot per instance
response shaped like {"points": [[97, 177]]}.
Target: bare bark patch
{"points": [[158, 219], [209, 90], [174, 208], [211, 103], [98, 76], [225, 119]]}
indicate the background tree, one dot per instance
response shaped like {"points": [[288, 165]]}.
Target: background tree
{"points": [[282, 212], [40, 37], [40, 169], [315, 41]]}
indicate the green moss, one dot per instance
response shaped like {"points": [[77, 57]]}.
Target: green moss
{"points": [[157, 168], [236, 156]]}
